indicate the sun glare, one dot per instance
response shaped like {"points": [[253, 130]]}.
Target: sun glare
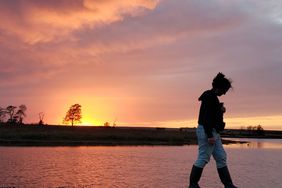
{"points": [[88, 121]]}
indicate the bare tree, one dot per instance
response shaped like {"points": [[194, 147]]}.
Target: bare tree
{"points": [[10, 110], [2, 114], [115, 123], [73, 115], [41, 116]]}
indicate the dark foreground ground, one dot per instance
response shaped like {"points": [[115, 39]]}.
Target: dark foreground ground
{"points": [[34, 135]]}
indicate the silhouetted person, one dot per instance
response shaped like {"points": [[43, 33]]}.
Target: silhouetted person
{"points": [[210, 123]]}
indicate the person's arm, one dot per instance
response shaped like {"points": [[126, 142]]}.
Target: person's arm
{"points": [[208, 117]]}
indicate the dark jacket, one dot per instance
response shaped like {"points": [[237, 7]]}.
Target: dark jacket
{"points": [[211, 115]]}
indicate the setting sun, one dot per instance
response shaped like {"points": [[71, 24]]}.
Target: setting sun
{"points": [[90, 122]]}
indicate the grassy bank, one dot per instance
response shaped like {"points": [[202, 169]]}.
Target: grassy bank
{"points": [[31, 135]]}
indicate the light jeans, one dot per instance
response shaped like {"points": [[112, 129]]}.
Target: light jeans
{"points": [[206, 149]]}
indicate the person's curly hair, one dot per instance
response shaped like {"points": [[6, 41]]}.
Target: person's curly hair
{"points": [[221, 82]]}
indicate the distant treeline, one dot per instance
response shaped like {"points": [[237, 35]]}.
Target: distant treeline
{"points": [[13, 114], [253, 130]]}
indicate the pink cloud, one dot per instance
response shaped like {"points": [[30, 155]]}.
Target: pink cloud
{"points": [[38, 21]]}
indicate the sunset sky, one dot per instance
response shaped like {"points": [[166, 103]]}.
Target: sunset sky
{"points": [[141, 62]]}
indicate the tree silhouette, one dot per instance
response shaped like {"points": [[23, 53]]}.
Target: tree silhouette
{"points": [[10, 110], [73, 115], [2, 114], [260, 130], [21, 113], [41, 116], [106, 124]]}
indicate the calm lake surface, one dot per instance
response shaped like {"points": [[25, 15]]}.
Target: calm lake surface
{"points": [[254, 165]]}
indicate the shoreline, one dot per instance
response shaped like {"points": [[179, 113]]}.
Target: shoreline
{"points": [[34, 135], [34, 143], [52, 135]]}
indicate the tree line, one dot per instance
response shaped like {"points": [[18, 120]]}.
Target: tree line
{"points": [[254, 130], [13, 114]]}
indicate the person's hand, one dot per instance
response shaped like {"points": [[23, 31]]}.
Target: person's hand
{"points": [[223, 109], [211, 140]]}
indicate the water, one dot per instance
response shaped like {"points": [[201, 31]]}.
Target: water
{"points": [[252, 166]]}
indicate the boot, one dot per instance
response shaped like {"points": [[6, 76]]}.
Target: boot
{"points": [[195, 176], [225, 177]]}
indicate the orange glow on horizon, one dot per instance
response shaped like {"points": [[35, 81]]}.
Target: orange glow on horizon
{"points": [[89, 121], [267, 122], [95, 111]]}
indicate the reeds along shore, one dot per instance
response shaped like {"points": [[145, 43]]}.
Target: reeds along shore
{"points": [[34, 135]]}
